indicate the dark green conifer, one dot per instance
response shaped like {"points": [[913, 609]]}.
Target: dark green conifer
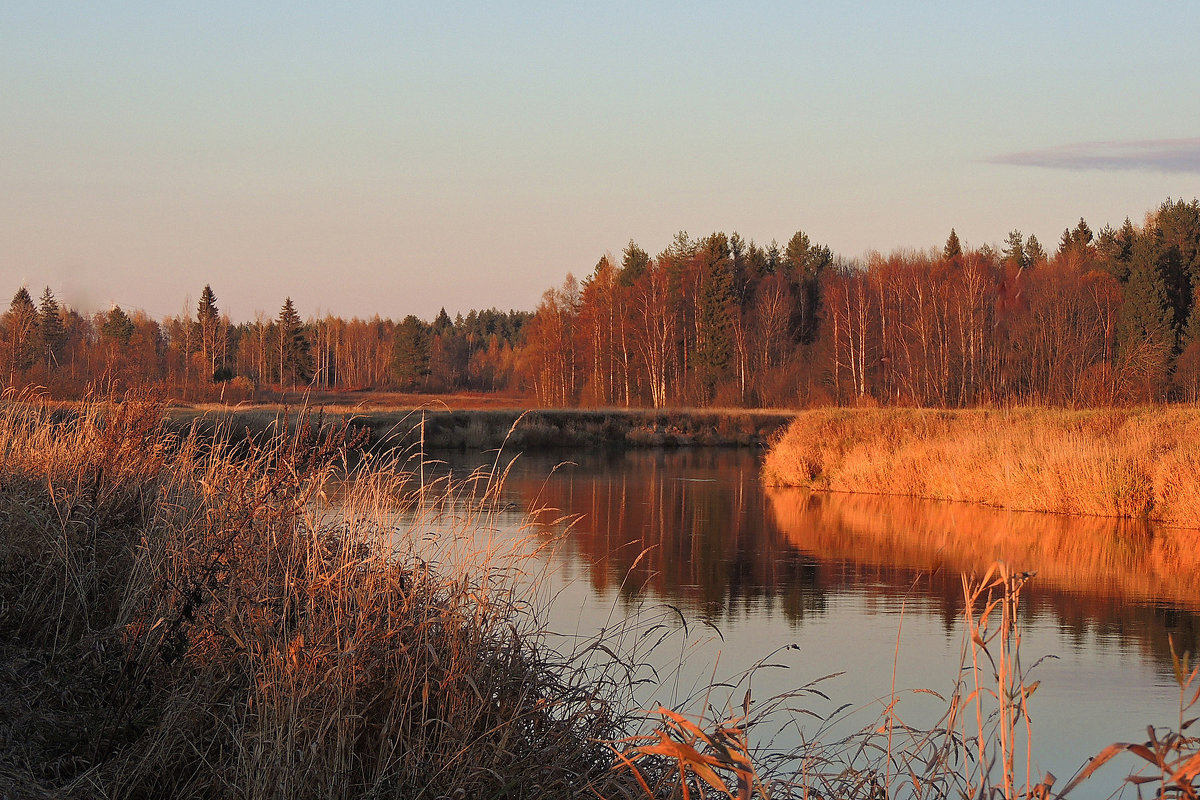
{"points": [[50, 329], [718, 304], [410, 353], [295, 360], [953, 249], [117, 327]]}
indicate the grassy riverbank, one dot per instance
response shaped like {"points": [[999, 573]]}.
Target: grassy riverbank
{"points": [[177, 621], [1110, 462], [487, 429], [181, 619]]}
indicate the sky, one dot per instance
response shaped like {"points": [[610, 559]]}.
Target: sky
{"points": [[394, 158]]}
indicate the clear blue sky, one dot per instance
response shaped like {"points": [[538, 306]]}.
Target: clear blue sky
{"points": [[394, 158]]}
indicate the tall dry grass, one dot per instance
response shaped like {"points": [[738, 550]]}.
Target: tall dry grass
{"points": [[177, 620], [181, 620], [1109, 462]]}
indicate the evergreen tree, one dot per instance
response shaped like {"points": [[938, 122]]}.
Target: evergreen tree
{"points": [[1014, 251], [953, 249], [208, 317], [1179, 223], [774, 258], [295, 360], [804, 263], [117, 327], [1034, 254], [714, 348], [633, 265], [442, 323], [1176, 230], [50, 329], [410, 353], [1145, 332], [21, 323], [1115, 249], [1076, 245]]}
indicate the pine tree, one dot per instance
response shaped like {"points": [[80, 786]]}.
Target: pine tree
{"points": [[50, 329], [633, 265], [803, 264], [295, 360], [1014, 250]]}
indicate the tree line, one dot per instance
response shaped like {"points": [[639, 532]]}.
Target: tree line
{"points": [[1110, 317], [208, 356]]}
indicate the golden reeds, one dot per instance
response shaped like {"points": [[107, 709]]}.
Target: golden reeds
{"points": [[1108, 462]]}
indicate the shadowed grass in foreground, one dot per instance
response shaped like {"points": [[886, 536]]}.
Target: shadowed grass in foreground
{"points": [[176, 622]]}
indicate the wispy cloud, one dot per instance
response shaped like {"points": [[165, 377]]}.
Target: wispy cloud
{"points": [[1156, 155]]}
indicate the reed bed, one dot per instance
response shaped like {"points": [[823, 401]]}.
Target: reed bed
{"points": [[182, 619], [1140, 462]]}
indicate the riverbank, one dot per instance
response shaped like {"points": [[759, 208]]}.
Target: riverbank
{"points": [[181, 620], [1139, 463], [407, 430]]}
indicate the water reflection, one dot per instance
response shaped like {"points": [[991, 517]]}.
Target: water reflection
{"points": [[696, 528]]}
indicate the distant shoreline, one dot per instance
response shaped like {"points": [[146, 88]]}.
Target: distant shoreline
{"points": [[517, 429]]}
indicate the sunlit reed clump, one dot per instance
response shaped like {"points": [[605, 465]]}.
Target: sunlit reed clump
{"points": [[1111, 462]]}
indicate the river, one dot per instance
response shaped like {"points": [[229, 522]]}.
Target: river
{"points": [[866, 588]]}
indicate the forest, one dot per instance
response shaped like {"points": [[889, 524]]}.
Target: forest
{"points": [[1110, 318]]}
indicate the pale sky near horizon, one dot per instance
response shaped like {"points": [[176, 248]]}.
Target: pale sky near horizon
{"points": [[394, 158]]}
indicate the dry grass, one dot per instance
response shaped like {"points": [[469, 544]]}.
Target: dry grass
{"points": [[1110, 462], [181, 620], [177, 621]]}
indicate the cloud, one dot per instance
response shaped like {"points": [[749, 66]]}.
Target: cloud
{"points": [[1155, 155]]}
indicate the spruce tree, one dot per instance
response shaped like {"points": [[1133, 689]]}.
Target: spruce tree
{"points": [[1145, 332], [442, 323], [295, 360], [804, 263], [953, 249], [718, 303], [50, 329], [208, 317], [117, 327], [410, 353]]}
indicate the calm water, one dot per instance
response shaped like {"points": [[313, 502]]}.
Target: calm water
{"points": [[858, 585]]}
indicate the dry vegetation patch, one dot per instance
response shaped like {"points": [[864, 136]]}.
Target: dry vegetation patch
{"points": [[177, 620], [1110, 462]]}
